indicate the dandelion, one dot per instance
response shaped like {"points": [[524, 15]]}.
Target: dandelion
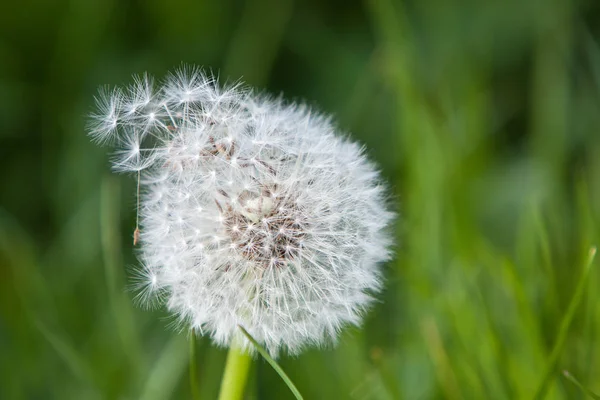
{"points": [[253, 212]]}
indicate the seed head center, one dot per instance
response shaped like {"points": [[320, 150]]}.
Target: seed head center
{"points": [[264, 228]]}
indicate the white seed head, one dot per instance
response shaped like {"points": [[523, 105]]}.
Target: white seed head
{"points": [[254, 212]]}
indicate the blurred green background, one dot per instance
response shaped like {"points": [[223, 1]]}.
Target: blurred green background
{"points": [[484, 117]]}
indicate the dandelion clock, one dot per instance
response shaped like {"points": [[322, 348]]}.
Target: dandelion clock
{"points": [[254, 212]]}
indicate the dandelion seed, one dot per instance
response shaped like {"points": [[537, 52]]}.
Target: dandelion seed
{"points": [[136, 236], [253, 211]]}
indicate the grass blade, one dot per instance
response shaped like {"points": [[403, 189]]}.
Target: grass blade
{"points": [[67, 353], [113, 269], [168, 369], [273, 363], [564, 328], [575, 382]]}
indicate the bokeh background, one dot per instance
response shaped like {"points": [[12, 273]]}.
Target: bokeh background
{"points": [[484, 117]]}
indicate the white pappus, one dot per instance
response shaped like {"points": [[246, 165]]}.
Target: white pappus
{"points": [[253, 211]]}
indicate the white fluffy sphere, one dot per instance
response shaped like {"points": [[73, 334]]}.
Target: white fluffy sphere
{"points": [[254, 212]]}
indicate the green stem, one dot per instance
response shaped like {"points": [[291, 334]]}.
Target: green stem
{"points": [[235, 374], [193, 369]]}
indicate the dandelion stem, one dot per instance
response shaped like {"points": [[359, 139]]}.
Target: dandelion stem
{"points": [[235, 374], [193, 369]]}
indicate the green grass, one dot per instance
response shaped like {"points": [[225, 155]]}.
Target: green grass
{"points": [[484, 117]]}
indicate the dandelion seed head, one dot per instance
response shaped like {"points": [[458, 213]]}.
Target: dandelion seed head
{"points": [[254, 212]]}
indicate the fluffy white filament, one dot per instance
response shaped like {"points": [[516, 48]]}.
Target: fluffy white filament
{"points": [[254, 212]]}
